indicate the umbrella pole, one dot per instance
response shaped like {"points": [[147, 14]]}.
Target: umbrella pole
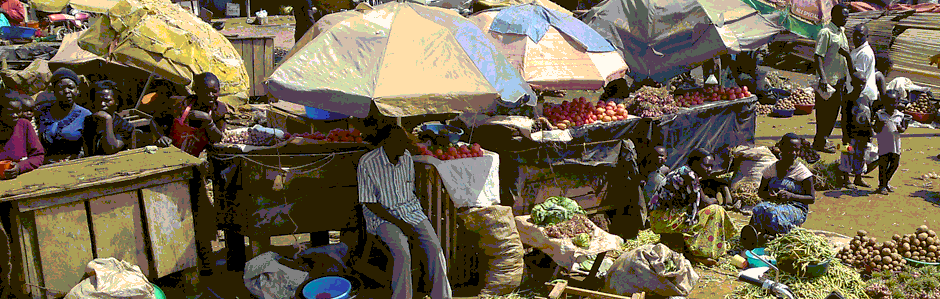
{"points": [[144, 92]]}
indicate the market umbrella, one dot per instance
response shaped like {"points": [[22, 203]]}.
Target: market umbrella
{"points": [[56, 6], [160, 37], [503, 3], [663, 38], [552, 50], [72, 56], [433, 62], [801, 17]]}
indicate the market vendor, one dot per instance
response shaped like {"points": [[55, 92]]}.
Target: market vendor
{"points": [[106, 132], [392, 211], [201, 114], [681, 207], [21, 146], [787, 190], [14, 11], [832, 69], [62, 121]]}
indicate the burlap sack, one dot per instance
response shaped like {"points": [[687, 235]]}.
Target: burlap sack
{"points": [[110, 278], [499, 241], [644, 270], [562, 250], [753, 162], [31, 80]]}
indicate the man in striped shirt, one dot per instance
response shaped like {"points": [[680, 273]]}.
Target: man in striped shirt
{"points": [[393, 213]]}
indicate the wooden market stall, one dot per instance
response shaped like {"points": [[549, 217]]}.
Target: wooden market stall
{"points": [[258, 54], [136, 205]]}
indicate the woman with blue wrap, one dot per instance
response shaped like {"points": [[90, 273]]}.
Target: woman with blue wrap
{"points": [[62, 121]]}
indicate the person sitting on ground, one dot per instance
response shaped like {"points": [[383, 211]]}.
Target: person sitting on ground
{"points": [[787, 190], [393, 212], [889, 124], [681, 207], [201, 111], [655, 170], [106, 132], [62, 121], [21, 146]]}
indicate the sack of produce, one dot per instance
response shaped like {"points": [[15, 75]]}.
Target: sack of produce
{"points": [[110, 278], [555, 209], [753, 161], [499, 241], [568, 241], [651, 269]]}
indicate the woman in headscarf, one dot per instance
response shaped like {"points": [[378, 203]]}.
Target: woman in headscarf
{"points": [[787, 190], [681, 207], [62, 121]]}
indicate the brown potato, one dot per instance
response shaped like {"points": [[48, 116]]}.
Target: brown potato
{"points": [[931, 233], [922, 236]]}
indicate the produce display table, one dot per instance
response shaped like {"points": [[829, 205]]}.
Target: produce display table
{"points": [[135, 205], [315, 185]]}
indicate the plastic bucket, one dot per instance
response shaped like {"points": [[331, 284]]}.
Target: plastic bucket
{"points": [[337, 287], [157, 292], [752, 260]]}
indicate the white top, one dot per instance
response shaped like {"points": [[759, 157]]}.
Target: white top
{"points": [[889, 139], [393, 186], [864, 59]]}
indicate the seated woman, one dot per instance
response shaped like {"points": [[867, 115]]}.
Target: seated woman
{"points": [[105, 132], [787, 188], [201, 111], [681, 207], [21, 146], [62, 121]]}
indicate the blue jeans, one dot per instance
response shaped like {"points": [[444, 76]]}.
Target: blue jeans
{"points": [[397, 241]]}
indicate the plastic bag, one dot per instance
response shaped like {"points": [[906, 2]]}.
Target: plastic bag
{"points": [[111, 278], [652, 269], [266, 278]]}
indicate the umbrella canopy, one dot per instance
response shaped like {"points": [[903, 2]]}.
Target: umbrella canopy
{"points": [[56, 6], [160, 37], [804, 18], [545, 3], [83, 62], [434, 61], [663, 38], [552, 50]]}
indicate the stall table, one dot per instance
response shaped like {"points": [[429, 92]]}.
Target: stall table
{"points": [[135, 205]]}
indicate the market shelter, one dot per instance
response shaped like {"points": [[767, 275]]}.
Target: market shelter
{"points": [[137, 206]]}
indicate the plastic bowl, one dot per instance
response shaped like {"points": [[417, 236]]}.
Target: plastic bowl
{"points": [[157, 292], [336, 286], [923, 118], [818, 269], [453, 136], [804, 109], [13, 32], [752, 260], [783, 113]]}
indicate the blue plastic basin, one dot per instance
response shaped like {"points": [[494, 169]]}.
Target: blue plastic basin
{"points": [[454, 134], [336, 286], [783, 113], [320, 114], [752, 260], [12, 32]]}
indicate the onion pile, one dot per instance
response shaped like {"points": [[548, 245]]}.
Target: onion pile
{"points": [[801, 97], [250, 137], [572, 227], [922, 105], [868, 255], [785, 104], [335, 135], [580, 112], [652, 102], [923, 245]]}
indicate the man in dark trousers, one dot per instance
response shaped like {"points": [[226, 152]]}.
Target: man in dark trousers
{"points": [[832, 68]]}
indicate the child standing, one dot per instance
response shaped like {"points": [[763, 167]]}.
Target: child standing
{"points": [[889, 124]]}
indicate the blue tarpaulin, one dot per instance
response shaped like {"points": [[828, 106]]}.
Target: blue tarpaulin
{"points": [[534, 20]]}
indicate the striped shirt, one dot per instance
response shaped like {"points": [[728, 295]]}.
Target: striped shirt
{"points": [[393, 186]]}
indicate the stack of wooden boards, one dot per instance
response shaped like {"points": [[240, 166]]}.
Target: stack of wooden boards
{"points": [[909, 39]]}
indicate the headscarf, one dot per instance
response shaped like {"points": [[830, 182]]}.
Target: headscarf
{"points": [[64, 73]]}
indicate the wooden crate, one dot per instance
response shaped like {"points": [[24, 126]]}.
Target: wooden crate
{"points": [[258, 54], [134, 206]]}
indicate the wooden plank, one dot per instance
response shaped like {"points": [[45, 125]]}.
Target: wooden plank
{"points": [[245, 51], [118, 229], [257, 52], [268, 61], [29, 254], [170, 224], [65, 242], [569, 290], [114, 186]]}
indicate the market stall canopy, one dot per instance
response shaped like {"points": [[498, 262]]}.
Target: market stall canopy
{"points": [[804, 18], [435, 62], [660, 39], [552, 50], [56, 6], [545, 3], [159, 36]]}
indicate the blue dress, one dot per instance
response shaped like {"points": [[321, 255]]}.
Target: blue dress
{"points": [[62, 137], [780, 218]]}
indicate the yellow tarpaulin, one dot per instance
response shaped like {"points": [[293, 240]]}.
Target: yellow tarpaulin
{"points": [[55, 6], [159, 36]]}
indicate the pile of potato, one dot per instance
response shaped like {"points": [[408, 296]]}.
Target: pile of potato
{"points": [[922, 105], [764, 109], [801, 97], [868, 255], [785, 104], [921, 246]]}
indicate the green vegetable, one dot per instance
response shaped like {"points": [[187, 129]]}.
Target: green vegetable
{"points": [[841, 278], [554, 210], [583, 240], [801, 248]]}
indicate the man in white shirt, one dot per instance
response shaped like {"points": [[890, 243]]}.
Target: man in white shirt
{"points": [[386, 177]]}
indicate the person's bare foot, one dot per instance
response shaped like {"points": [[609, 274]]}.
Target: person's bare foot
{"points": [[860, 182], [890, 188], [882, 191]]}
